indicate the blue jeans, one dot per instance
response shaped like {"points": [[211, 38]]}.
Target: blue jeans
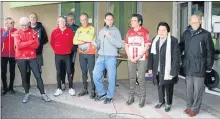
{"points": [[102, 63]]}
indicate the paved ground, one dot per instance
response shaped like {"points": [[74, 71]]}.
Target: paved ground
{"points": [[66, 106], [12, 107]]}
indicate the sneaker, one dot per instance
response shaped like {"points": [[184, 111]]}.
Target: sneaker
{"points": [[99, 98], [45, 98], [72, 92], [108, 100], [83, 92], [58, 92], [26, 98], [167, 108], [3, 93], [63, 86]]}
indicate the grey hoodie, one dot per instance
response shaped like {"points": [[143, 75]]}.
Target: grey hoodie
{"points": [[109, 46]]}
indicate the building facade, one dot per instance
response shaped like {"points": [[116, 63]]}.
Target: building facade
{"points": [[176, 14]]}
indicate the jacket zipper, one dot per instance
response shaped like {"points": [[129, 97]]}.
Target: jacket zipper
{"points": [[9, 43], [201, 47]]}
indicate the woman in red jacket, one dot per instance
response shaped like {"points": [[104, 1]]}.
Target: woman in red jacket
{"points": [[7, 54], [26, 43], [61, 42]]}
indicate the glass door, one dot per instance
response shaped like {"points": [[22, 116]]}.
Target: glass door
{"points": [[183, 11]]}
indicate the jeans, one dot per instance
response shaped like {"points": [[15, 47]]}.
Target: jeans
{"points": [[102, 63]]}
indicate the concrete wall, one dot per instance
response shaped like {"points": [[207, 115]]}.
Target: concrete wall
{"points": [[48, 14]]}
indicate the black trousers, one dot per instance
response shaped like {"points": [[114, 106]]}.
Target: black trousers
{"points": [[40, 62], [59, 60], [169, 93], [34, 66], [87, 62], [4, 64], [63, 74]]}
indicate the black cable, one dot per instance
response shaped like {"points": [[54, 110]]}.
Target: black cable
{"points": [[112, 115]]}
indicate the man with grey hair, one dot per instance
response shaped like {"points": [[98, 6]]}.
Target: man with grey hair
{"points": [[84, 38], [198, 48], [61, 42], [43, 39], [7, 54], [26, 42]]}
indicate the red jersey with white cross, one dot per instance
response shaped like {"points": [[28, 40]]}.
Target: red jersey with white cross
{"points": [[137, 40]]}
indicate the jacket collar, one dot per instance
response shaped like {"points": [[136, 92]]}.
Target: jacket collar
{"points": [[198, 31]]}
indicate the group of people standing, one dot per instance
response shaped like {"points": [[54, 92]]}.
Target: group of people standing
{"points": [[159, 57]]}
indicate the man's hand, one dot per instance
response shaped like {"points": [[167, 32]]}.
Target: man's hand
{"points": [[149, 71], [138, 58], [132, 59], [6, 28], [208, 71]]}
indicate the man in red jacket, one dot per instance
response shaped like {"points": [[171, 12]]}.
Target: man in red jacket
{"points": [[61, 42], [26, 42], [7, 54]]}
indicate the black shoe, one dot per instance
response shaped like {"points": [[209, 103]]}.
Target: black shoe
{"points": [[130, 100], [92, 95], [137, 83], [167, 108], [12, 91], [83, 92], [142, 102], [108, 100], [159, 105], [99, 98], [3, 93]]}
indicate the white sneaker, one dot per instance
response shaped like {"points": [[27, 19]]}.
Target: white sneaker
{"points": [[58, 92], [72, 92]]}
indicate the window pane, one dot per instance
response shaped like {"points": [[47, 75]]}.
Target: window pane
{"points": [[215, 18], [122, 12], [88, 7], [78, 8], [66, 8]]}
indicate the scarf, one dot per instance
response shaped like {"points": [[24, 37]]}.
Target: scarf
{"points": [[167, 75]]}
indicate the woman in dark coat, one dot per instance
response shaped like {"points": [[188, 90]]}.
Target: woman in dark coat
{"points": [[164, 64]]}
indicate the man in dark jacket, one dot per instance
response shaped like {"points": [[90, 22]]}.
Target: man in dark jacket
{"points": [[70, 24], [198, 48], [43, 39]]}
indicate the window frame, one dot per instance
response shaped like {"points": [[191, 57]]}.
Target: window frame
{"points": [[95, 14]]}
